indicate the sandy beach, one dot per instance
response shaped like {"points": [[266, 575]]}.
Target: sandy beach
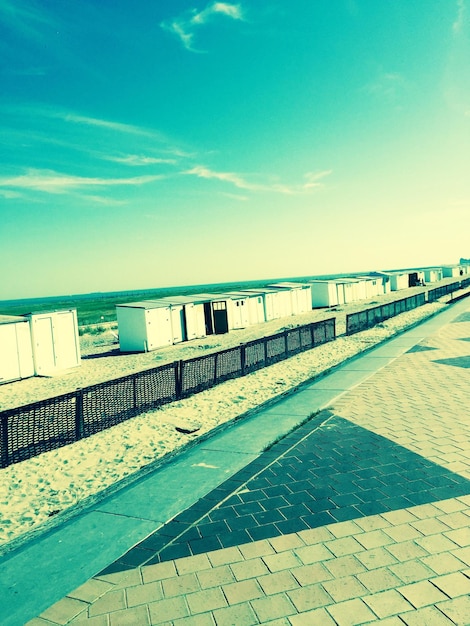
{"points": [[45, 490]]}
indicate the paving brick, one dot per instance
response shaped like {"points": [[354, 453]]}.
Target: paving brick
{"points": [[82, 620], [130, 617], [310, 597], [372, 559], [313, 553], [286, 542], [141, 594], [406, 550], [189, 564], [345, 529], [64, 610], [168, 610], [206, 600], [249, 569], [460, 536], [351, 613], [317, 617], [281, 561], [313, 573], [424, 617], [91, 590], [379, 580], [457, 519], [387, 603], [273, 607], [315, 535], [111, 601], [434, 544], [457, 609], [399, 517], [237, 615], [344, 566], [372, 522], [373, 539], [346, 588], [255, 549], [225, 556], [344, 546], [429, 526], [278, 582], [411, 571], [424, 511], [202, 619], [463, 554], [453, 585], [242, 591], [421, 594], [402, 532], [180, 585], [215, 577], [159, 571], [443, 563]]}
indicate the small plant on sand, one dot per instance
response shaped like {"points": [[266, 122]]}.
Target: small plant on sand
{"points": [[278, 439]]}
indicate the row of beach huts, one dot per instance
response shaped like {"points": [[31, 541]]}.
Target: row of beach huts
{"points": [[45, 344]]}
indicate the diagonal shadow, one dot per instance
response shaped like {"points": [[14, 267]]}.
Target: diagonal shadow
{"points": [[459, 361], [312, 477], [419, 348]]}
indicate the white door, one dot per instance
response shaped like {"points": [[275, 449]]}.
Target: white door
{"points": [[43, 345], [65, 344]]}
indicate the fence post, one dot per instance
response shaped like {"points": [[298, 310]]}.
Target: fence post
{"points": [[243, 358], [178, 379], [79, 425], [215, 367], [4, 460], [285, 344]]}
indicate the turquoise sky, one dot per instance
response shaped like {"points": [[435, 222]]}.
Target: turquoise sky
{"points": [[151, 143]]}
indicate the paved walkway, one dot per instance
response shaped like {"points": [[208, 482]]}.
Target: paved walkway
{"points": [[359, 515]]}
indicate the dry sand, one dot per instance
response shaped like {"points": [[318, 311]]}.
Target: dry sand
{"points": [[45, 490]]}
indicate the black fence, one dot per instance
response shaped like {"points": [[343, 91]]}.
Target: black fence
{"points": [[30, 430], [438, 292], [362, 320]]}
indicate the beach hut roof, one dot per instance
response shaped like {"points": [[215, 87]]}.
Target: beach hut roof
{"points": [[145, 304], [11, 319]]}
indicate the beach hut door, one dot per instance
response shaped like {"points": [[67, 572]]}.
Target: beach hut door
{"points": [[65, 346], [220, 318], [208, 318], [44, 345]]}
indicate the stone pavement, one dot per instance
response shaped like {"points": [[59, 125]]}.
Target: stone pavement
{"points": [[360, 515]]}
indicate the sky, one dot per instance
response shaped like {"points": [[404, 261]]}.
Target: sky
{"points": [[151, 143]]}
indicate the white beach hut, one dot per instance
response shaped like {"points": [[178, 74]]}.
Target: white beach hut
{"points": [[433, 274], [55, 342], [373, 286], [398, 280], [194, 324], [16, 351], [324, 293], [178, 324], [240, 309], [451, 271], [255, 307], [271, 302], [144, 326], [300, 294]]}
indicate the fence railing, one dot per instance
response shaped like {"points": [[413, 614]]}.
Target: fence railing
{"points": [[444, 290], [362, 320], [30, 430]]}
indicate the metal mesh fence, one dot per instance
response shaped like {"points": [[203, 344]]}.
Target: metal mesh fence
{"points": [[438, 292], [42, 426], [355, 322]]}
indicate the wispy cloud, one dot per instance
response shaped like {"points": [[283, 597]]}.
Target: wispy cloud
{"points": [[238, 181], [387, 85], [138, 160], [185, 25], [460, 19], [56, 182], [25, 18]]}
